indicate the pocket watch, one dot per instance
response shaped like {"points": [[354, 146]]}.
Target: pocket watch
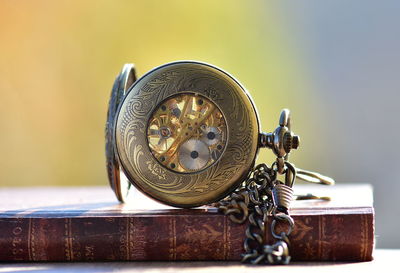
{"points": [[187, 134]]}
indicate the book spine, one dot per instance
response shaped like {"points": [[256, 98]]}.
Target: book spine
{"points": [[347, 237]]}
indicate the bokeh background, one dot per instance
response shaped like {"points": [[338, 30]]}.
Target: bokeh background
{"points": [[335, 64]]}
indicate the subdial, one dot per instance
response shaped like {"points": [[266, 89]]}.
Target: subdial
{"points": [[194, 154], [210, 135]]}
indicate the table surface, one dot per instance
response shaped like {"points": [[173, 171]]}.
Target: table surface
{"points": [[384, 259]]}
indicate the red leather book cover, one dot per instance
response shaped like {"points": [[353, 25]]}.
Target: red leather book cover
{"points": [[87, 224]]}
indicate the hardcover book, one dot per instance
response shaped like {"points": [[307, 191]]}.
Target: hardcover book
{"points": [[88, 224]]}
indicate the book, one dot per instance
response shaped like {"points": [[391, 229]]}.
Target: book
{"points": [[88, 224]]}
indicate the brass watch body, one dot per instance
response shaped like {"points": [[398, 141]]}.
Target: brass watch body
{"points": [[229, 112], [187, 134]]}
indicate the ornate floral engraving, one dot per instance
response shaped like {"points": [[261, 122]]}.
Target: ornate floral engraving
{"points": [[156, 86], [156, 169]]}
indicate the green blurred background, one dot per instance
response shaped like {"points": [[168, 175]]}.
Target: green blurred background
{"points": [[326, 61]]}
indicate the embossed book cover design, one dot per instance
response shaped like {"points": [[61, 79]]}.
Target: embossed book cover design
{"points": [[86, 224]]}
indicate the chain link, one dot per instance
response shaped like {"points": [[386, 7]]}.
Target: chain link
{"points": [[260, 196]]}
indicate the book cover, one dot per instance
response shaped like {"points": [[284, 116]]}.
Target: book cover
{"points": [[88, 224]]}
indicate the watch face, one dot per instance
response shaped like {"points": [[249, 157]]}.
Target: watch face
{"points": [[186, 134]]}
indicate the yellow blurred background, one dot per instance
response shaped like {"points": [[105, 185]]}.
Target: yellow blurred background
{"points": [[334, 63], [59, 60]]}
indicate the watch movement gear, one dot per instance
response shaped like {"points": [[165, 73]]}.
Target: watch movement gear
{"points": [[183, 132]]}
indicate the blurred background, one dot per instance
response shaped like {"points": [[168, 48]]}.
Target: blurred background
{"points": [[335, 64]]}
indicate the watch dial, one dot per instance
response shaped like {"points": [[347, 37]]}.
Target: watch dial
{"points": [[187, 133]]}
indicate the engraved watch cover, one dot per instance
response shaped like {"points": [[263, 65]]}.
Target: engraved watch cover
{"points": [[186, 134], [118, 181]]}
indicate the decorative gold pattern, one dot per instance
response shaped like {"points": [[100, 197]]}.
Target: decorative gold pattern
{"points": [[364, 237], [137, 242], [68, 240], [211, 183], [172, 239], [30, 241]]}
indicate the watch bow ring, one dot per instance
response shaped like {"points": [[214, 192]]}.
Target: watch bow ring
{"points": [[187, 134]]}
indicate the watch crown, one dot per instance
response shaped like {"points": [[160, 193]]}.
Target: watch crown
{"points": [[282, 140], [290, 141], [287, 142], [295, 142]]}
